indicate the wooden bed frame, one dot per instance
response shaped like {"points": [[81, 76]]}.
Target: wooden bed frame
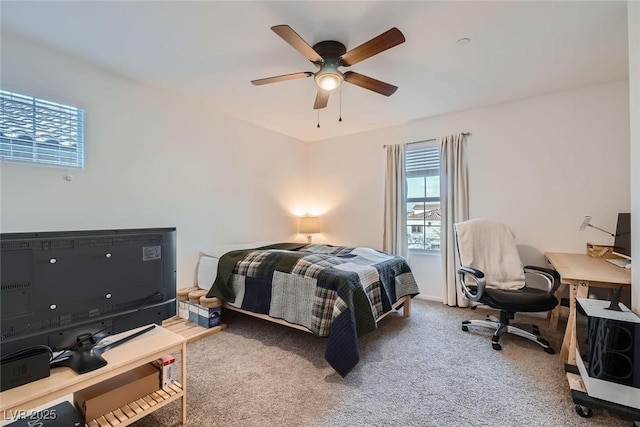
{"points": [[404, 303]]}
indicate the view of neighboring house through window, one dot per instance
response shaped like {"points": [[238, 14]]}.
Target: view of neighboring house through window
{"points": [[423, 195], [34, 130]]}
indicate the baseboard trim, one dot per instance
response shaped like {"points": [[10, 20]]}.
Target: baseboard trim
{"points": [[428, 298]]}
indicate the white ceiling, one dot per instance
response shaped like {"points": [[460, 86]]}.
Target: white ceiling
{"points": [[213, 49]]}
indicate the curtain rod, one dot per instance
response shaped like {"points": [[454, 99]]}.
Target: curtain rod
{"points": [[425, 140], [433, 139]]}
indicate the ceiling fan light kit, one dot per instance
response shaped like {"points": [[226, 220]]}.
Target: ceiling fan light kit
{"points": [[329, 78], [329, 55]]}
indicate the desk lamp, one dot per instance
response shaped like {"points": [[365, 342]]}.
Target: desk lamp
{"points": [[587, 223]]}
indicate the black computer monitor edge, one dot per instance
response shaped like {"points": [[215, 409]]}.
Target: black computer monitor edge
{"points": [[622, 239]]}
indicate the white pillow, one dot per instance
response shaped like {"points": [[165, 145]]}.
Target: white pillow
{"points": [[219, 250], [208, 263], [207, 271]]}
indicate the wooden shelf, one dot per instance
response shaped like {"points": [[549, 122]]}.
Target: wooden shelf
{"points": [[141, 407], [140, 350], [189, 330]]}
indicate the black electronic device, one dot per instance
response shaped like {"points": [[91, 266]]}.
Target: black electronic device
{"points": [[610, 366], [24, 367], [613, 351], [622, 240], [65, 289], [61, 415]]}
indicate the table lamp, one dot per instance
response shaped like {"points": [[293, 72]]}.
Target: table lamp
{"points": [[309, 225]]}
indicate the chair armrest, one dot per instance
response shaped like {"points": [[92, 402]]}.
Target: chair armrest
{"points": [[477, 276], [551, 276]]}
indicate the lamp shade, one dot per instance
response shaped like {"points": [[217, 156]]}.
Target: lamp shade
{"points": [[585, 223], [328, 80], [309, 225]]}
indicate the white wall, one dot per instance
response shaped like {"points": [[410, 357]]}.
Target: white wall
{"points": [[633, 15], [152, 159], [538, 164]]}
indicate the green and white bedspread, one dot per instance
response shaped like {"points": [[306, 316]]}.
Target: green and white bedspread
{"points": [[334, 291]]}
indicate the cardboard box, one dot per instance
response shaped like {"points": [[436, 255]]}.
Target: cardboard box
{"points": [[203, 316], [118, 391], [183, 309], [209, 317], [193, 312], [167, 366]]}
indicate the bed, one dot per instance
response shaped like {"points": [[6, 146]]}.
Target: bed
{"points": [[336, 292]]}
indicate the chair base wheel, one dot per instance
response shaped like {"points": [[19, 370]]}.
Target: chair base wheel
{"points": [[583, 411], [501, 327], [546, 346]]}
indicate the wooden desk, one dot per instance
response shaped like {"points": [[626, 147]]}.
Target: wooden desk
{"points": [[579, 271], [139, 351]]}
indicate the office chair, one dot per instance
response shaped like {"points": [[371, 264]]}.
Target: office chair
{"points": [[492, 273]]}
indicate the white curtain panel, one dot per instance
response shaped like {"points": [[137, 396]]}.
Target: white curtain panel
{"points": [[454, 201], [394, 239]]}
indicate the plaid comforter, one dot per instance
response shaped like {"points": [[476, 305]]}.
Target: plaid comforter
{"points": [[334, 291]]}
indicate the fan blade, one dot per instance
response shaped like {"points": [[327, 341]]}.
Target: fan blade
{"points": [[384, 41], [322, 98], [297, 42], [369, 83], [282, 78]]}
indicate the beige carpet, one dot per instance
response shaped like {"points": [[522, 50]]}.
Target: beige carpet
{"points": [[420, 371]]}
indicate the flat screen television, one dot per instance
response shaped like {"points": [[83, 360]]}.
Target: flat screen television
{"points": [[622, 240], [72, 288]]}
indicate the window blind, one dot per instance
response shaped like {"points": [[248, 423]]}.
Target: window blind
{"points": [[34, 130], [422, 162]]}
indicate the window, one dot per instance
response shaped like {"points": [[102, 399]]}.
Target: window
{"points": [[422, 163], [33, 130]]}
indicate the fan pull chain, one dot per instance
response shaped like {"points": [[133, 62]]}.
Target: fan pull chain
{"points": [[318, 118], [340, 118]]}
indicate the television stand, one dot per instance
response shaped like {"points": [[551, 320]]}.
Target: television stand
{"points": [[136, 352]]}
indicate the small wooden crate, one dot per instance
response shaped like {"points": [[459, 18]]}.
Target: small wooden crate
{"points": [[600, 250]]}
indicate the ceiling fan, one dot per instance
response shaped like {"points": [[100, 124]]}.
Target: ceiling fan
{"points": [[329, 55]]}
